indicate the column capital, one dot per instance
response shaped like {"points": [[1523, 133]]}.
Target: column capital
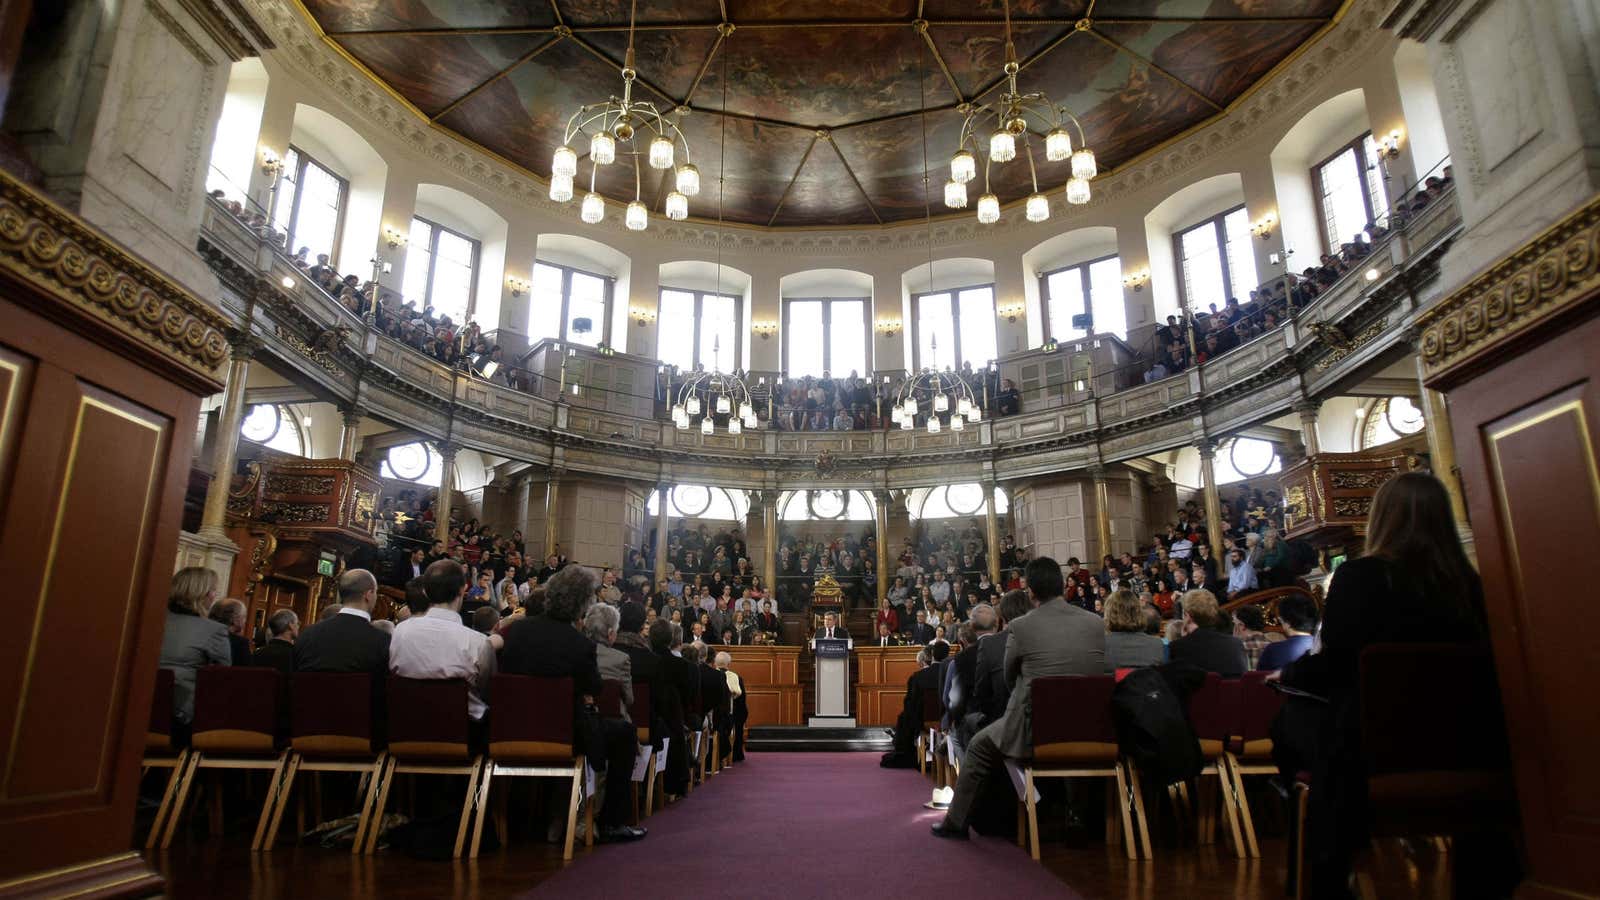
{"points": [[447, 450], [883, 497], [1097, 472], [1307, 406], [242, 345], [1207, 448], [351, 414]]}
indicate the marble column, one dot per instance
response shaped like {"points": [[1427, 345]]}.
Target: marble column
{"points": [[1308, 411], [769, 560], [663, 497], [552, 513], [1213, 501], [881, 501], [447, 489], [348, 432], [1102, 511], [991, 531], [225, 449]]}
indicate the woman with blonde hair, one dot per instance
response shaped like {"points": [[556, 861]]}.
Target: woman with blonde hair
{"points": [[1127, 644], [191, 640]]}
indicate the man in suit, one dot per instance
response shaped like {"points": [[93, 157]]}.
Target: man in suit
{"points": [[547, 645], [644, 668], [928, 677], [231, 614], [676, 693], [412, 566], [1054, 639], [1203, 645], [278, 654], [600, 624], [989, 693], [961, 681], [922, 631], [713, 690], [831, 628], [738, 711], [887, 638], [347, 642]]}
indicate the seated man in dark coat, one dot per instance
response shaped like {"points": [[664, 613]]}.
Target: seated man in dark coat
{"points": [[1203, 646], [283, 626], [928, 677], [347, 642], [549, 646], [677, 687]]}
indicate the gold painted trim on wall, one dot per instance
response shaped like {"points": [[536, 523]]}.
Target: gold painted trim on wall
{"points": [[1548, 275]]}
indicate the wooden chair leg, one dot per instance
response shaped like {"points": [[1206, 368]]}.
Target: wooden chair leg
{"points": [[922, 757], [588, 816], [1226, 786], [483, 805], [649, 785], [1033, 813], [368, 792], [572, 808], [269, 802], [284, 793], [502, 817], [1114, 801], [385, 781], [1130, 845], [185, 784], [466, 807], [1022, 824], [1146, 851], [1302, 804], [1247, 824], [167, 798]]}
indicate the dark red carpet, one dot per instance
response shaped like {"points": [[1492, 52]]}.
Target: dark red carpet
{"points": [[796, 825]]}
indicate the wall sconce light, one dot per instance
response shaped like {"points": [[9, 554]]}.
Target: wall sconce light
{"points": [[1263, 227], [1050, 346], [764, 329], [641, 317], [517, 285], [271, 164], [393, 237], [1010, 310], [1372, 274], [288, 283], [888, 327], [1389, 147], [1137, 280]]}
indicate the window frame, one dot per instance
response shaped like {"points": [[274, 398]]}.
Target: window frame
{"points": [[1359, 147], [699, 311], [302, 159], [827, 331], [1088, 296], [566, 299], [1219, 231], [955, 322], [433, 256]]}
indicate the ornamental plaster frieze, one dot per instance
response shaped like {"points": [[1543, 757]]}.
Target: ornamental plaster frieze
{"points": [[1347, 47]]}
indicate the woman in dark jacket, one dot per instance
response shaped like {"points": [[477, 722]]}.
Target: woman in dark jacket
{"points": [[1414, 584]]}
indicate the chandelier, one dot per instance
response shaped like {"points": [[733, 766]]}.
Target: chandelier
{"points": [[994, 129], [947, 393], [630, 127]]}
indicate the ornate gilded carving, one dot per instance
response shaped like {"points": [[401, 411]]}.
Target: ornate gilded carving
{"points": [[1294, 505], [1537, 280], [366, 504], [1369, 479], [260, 558], [319, 356], [825, 465], [1351, 507], [300, 484], [1344, 346], [284, 513], [64, 257]]}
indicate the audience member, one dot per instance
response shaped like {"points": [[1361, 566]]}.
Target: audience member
{"points": [[434, 644], [1203, 645], [231, 614], [1128, 645], [346, 641], [189, 640], [284, 627], [1298, 615], [1249, 623]]}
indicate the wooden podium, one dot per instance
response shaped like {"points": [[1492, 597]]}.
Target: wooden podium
{"points": [[771, 682], [881, 682]]}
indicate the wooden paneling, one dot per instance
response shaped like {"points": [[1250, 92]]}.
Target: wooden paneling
{"points": [[94, 451], [1526, 436], [881, 684], [771, 683]]}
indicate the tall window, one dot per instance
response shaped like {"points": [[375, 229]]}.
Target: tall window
{"points": [[825, 335], [954, 327], [1217, 260], [1094, 287], [440, 269], [1350, 191], [698, 328], [569, 304], [309, 204]]}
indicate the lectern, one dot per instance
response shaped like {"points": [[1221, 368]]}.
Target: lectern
{"points": [[833, 682]]}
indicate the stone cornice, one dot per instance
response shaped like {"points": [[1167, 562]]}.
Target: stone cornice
{"points": [[1283, 97], [88, 278], [1549, 276]]}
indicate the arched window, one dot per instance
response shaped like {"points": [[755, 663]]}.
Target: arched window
{"points": [[956, 501], [441, 268], [826, 334], [955, 327], [1350, 191], [1245, 457], [416, 461], [267, 425], [825, 506], [1216, 260], [569, 304], [309, 204], [1390, 419], [696, 501], [699, 328], [1093, 288]]}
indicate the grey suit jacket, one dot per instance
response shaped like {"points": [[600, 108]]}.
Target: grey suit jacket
{"points": [[188, 643], [616, 666], [1054, 639]]}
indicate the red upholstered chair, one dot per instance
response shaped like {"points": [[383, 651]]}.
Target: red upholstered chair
{"points": [[1213, 714], [1074, 736], [429, 734], [331, 730], [639, 714], [530, 736], [161, 751], [1250, 748], [932, 712], [237, 711]]}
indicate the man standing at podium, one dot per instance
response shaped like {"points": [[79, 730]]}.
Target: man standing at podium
{"points": [[831, 628]]}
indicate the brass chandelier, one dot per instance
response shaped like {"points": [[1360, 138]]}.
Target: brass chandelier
{"points": [[1008, 120], [624, 125]]}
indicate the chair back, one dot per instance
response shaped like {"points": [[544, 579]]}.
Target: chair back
{"points": [[330, 714], [158, 734], [932, 706], [532, 719], [1407, 728], [1213, 712], [1258, 705], [1072, 720], [237, 709], [610, 700], [428, 718], [639, 713]]}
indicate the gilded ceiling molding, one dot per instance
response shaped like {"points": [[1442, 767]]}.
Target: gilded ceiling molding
{"points": [[1543, 278], [1283, 95], [66, 259]]}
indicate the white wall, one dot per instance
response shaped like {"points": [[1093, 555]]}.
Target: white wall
{"points": [[233, 151]]}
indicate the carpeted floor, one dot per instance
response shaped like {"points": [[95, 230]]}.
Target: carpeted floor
{"points": [[799, 825]]}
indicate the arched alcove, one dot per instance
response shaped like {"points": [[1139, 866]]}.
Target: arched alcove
{"points": [[1054, 272], [702, 306], [468, 217], [826, 322], [343, 151], [960, 302], [233, 150], [1329, 126], [1181, 209], [1420, 102], [579, 291]]}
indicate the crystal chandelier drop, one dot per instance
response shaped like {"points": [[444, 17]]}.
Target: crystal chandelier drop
{"points": [[624, 126], [945, 399], [999, 126]]}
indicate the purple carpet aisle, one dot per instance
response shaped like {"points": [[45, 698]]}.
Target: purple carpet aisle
{"points": [[800, 825]]}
